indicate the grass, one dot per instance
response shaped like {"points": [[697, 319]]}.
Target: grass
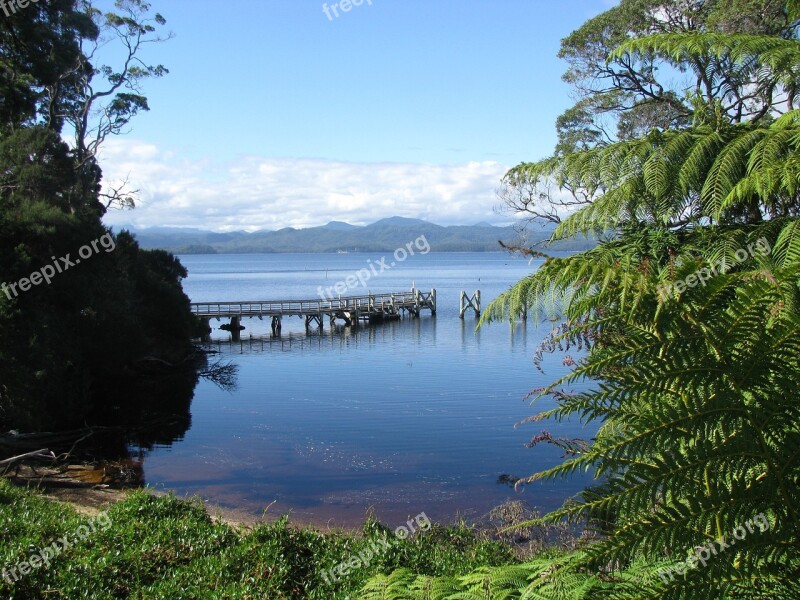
{"points": [[161, 547]]}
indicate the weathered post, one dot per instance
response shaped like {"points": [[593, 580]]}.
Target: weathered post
{"points": [[236, 333], [276, 326], [473, 302]]}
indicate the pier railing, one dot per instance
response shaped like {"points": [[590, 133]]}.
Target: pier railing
{"points": [[367, 303]]}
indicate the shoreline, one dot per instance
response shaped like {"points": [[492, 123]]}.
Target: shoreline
{"points": [[62, 485], [90, 498]]}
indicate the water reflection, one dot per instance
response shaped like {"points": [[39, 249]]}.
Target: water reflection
{"points": [[151, 410], [395, 416], [320, 339], [405, 416], [418, 331]]}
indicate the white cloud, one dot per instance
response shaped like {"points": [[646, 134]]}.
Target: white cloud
{"points": [[270, 193]]}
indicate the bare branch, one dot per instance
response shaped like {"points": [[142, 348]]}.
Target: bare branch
{"points": [[119, 197]]}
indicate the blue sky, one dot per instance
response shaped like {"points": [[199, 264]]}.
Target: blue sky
{"points": [[274, 114]]}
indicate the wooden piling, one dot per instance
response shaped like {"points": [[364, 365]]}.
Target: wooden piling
{"points": [[467, 302]]}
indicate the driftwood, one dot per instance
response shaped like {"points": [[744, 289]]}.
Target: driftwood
{"points": [[44, 453], [25, 443], [15, 462]]}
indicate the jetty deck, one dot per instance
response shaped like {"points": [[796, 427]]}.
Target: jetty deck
{"points": [[352, 310]]}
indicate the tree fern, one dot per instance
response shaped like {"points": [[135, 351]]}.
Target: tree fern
{"points": [[692, 380]]}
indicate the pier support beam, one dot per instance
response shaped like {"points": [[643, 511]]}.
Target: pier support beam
{"points": [[345, 316], [467, 302], [276, 326], [313, 319], [236, 332]]}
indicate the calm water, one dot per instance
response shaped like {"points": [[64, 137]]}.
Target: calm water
{"points": [[405, 417]]}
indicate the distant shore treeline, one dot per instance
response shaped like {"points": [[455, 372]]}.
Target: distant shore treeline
{"points": [[383, 236]]}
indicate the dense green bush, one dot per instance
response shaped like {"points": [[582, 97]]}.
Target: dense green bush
{"points": [[160, 547]]}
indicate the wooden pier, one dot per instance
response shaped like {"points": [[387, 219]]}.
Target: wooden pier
{"points": [[352, 310]]}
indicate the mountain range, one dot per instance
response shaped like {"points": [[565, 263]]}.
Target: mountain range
{"points": [[382, 236]]}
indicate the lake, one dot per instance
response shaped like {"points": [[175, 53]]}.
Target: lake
{"points": [[404, 417]]}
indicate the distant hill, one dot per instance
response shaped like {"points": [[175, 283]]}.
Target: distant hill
{"points": [[385, 235], [339, 226]]}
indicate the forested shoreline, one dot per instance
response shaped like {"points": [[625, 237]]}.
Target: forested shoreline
{"points": [[76, 317]]}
